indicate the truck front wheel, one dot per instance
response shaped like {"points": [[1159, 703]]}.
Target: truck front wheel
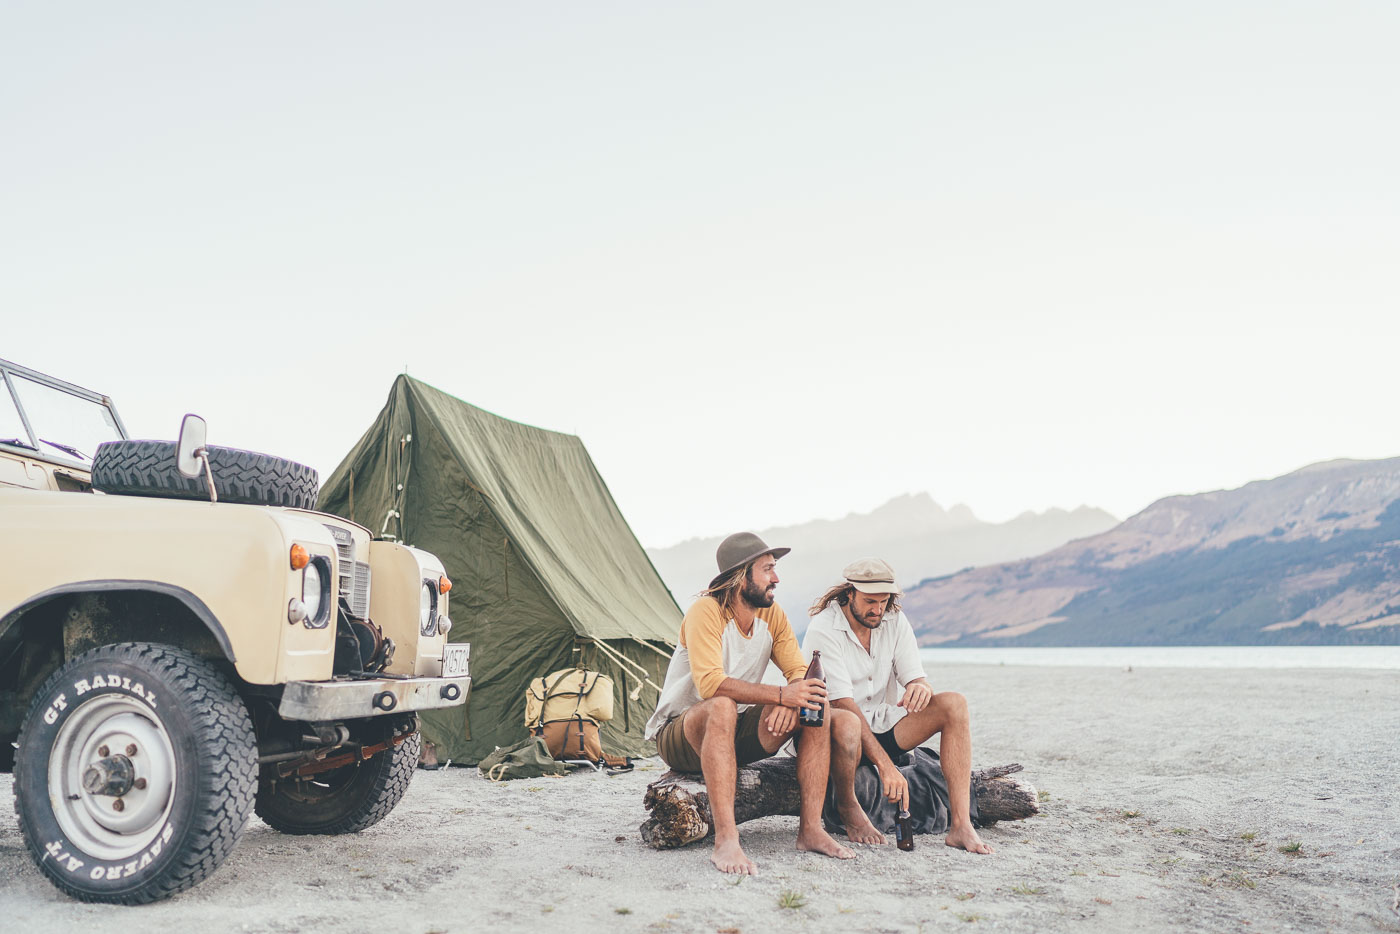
{"points": [[135, 773], [342, 800]]}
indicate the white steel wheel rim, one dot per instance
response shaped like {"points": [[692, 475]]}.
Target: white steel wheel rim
{"points": [[91, 821]]}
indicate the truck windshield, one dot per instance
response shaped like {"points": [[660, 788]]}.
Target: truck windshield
{"points": [[11, 425], [67, 425]]}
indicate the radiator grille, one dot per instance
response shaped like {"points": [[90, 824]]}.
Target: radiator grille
{"points": [[359, 593], [353, 575]]}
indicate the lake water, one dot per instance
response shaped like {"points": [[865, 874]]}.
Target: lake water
{"points": [[1182, 656]]}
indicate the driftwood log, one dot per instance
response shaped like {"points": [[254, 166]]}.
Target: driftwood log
{"points": [[680, 806]]}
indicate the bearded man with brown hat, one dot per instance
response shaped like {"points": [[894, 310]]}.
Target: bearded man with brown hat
{"points": [[873, 670], [716, 713]]}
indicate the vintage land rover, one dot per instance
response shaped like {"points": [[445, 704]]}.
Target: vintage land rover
{"points": [[183, 641]]}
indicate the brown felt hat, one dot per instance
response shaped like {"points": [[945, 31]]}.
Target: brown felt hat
{"points": [[738, 550], [871, 575]]}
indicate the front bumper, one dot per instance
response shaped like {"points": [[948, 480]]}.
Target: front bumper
{"points": [[344, 700]]}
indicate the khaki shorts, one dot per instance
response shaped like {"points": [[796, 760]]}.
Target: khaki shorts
{"points": [[675, 750]]}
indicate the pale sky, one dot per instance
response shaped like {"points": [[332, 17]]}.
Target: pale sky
{"points": [[772, 262]]}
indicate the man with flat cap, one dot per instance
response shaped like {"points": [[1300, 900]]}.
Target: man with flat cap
{"points": [[872, 665], [716, 713]]}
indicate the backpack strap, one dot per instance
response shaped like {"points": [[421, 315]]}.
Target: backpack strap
{"points": [[549, 692], [582, 748]]}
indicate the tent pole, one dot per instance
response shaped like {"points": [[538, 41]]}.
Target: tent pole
{"points": [[654, 648], [623, 659]]}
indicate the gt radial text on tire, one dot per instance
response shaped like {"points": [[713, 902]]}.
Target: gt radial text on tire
{"points": [[342, 800], [147, 468], [135, 773]]}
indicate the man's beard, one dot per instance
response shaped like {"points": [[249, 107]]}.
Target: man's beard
{"points": [[863, 618], [755, 597]]}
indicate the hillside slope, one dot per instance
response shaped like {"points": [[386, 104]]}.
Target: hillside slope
{"points": [[1312, 557], [915, 534]]}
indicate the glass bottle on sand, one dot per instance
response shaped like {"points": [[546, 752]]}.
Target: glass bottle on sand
{"points": [[903, 833]]}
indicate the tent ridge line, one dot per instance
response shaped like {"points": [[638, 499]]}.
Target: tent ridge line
{"points": [[601, 479], [574, 442], [568, 612]]}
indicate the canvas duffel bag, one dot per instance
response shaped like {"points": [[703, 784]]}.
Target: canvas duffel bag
{"points": [[567, 693], [529, 758]]}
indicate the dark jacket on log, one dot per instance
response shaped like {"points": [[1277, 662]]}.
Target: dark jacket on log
{"points": [[928, 795], [680, 805]]}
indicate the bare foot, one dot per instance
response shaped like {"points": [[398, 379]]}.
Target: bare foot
{"points": [[729, 857], [858, 826], [963, 837], [817, 840]]}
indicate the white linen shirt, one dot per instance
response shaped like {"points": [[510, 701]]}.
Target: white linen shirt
{"points": [[875, 680]]}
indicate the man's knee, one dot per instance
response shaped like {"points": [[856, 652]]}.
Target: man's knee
{"points": [[952, 706], [717, 713], [845, 731]]}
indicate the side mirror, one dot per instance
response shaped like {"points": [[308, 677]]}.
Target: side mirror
{"points": [[189, 450]]}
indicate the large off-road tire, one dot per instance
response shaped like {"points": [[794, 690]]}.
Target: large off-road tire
{"points": [[147, 468], [176, 746], [343, 800]]}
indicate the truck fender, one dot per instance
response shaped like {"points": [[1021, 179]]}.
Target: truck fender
{"points": [[191, 602]]}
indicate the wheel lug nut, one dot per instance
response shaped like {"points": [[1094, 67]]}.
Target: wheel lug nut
{"points": [[118, 805], [131, 750], [139, 783], [103, 751]]}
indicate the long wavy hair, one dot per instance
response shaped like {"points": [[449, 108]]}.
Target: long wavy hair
{"points": [[727, 589], [841, 594]]}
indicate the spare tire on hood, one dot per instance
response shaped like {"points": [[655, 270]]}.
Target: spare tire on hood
{"points": [[147, 468]]}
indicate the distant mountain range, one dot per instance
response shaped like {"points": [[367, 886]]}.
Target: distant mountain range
{"points": [[917, 536], [1312, 557]]}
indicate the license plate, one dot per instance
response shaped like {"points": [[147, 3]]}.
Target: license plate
{"points": [[455, 656]]}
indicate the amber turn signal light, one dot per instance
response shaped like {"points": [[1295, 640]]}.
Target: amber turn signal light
{"points": [[444, 585], [300, 558]]}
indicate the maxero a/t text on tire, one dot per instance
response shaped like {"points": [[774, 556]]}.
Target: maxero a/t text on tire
{"points": [[135, 773]]}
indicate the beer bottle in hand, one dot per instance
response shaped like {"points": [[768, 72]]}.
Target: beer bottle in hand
{"points": [[903, 833], [807, 716]]}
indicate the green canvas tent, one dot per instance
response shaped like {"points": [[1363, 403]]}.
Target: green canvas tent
{"points": [[545, 572]]}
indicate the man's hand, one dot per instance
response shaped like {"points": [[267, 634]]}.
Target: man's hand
{"points": [[917, 695], [781, 720], [809, 693], [895, 785]]}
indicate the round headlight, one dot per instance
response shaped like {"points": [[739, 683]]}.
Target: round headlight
{"points": [[311, 590], [426, 600]]}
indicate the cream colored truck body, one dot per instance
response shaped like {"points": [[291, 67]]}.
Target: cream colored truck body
{"points": [[171, 663], [222, 574], [233, 559]]}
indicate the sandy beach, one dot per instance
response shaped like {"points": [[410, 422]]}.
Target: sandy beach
{"points": [[1170, 796]]}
